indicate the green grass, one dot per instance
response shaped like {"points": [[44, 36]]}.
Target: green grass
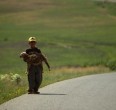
{"points": [[59, 74], [78, 33]]}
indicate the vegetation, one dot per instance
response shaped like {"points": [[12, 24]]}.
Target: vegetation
{"points": [[71, 33]]}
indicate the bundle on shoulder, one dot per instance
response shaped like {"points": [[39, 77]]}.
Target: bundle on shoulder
{"points": [[35, 58]]}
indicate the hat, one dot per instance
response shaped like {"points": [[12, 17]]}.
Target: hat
{"points": [[32, 39]]}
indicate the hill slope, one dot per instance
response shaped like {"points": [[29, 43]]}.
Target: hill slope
{"points": [[80, 32], [69, 32]]}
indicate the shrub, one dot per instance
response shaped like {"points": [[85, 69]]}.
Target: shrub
{"points": [[111, 64], [16, 78], [11, 77]]}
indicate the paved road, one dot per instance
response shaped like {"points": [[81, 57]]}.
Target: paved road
{"points": [[95, 92]]}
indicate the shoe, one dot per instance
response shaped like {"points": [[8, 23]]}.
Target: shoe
{"points": [[30, 92], [36, 92]]}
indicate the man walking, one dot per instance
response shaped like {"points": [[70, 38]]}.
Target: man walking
{"points": [[35, 69]]}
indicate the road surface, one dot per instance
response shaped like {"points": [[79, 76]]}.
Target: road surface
{"points": [[94, 92]]}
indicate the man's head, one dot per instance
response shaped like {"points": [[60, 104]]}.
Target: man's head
{"points": [[32, 42], [32, 39]]}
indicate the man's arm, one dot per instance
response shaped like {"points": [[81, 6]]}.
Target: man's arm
{"points": [[46, 62]]}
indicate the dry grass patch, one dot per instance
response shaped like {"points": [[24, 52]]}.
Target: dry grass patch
{"points": [[64, 73], [17, 5], [81, 69]]}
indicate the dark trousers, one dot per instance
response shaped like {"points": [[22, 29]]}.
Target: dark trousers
{"points": [[34, 78]]}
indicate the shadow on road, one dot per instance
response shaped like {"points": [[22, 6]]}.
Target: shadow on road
{"points": [[51, 94]]}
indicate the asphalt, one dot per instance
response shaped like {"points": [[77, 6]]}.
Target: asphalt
{"points": [[94, 92]]}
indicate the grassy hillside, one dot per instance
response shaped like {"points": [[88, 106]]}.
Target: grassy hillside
{"points": [[80, 32], [76, 33]]}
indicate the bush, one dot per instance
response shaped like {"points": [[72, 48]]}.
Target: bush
{"points": [[11, 77], [111, 64]]}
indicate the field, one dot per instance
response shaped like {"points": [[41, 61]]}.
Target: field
{"points": [[73, 34]]}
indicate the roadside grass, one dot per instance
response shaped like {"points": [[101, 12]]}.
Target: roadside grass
{"points": [[77, 36], [63, 73], [56, 75]]}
